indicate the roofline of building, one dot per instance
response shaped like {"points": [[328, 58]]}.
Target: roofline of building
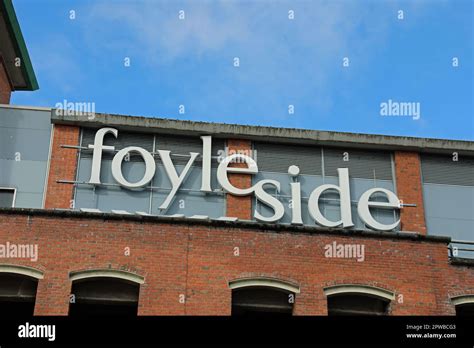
{"points": [[264, 133], [460, 261], [20, 46], [247, 224]]}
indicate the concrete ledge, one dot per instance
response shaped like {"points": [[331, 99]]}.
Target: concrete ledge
{"points": [[23, 270], [264, 227], [460, 261], [341, 289], [462, 299], [273, 134], [109, 273], [264, 282]]}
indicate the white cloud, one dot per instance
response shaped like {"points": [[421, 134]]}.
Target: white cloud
{"points": [[321, 27], [277, 54]]}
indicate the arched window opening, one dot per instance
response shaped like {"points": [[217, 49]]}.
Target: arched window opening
{"points": [[464, 305], [104, 296], [262, 301], [17, 295], [354, 299], [466, 309], [357, 304]]}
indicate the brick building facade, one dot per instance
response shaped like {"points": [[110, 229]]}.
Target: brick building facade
{"points": [[194, 264], [198, 260], [103, 248]]}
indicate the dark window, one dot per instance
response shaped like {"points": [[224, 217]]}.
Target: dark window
{"points": [[256, 302], [465, 309], [17, 295], [104, 297], [442, 169], [364, 164], [361, 164], [6, 197], [356, 305], [278, 157]]}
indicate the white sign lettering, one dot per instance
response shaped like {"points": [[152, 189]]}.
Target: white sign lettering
{"points": [[258, 189]]}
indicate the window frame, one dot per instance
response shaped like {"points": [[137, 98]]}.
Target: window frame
{"points": [[362, 290], [264, 282], [459, 301], [462, 299], [100, 273], [106, 273], [4, 188], [267, 283]]}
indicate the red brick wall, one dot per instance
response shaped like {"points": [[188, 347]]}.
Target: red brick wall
{"points": [[409, 190], [5, 86], [199, 260], [62, 167], [239, 206]]}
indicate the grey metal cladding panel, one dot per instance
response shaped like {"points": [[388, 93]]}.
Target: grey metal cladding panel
{"points": [[195, 203], [25, 176], [438, 169], [84, 169], [85, 197], [132, 171], [449, 202], [124, 139], [28, 200], [29, 144], [108, 198], [443, 218], [454, 228], [278, 157], [111, 197], [25, 119], [192, 181], [361, 164], [191, 203]]}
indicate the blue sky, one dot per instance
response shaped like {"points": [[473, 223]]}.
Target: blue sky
{"points": [[283, 61]]}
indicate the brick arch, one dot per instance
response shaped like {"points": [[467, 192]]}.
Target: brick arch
{"points": [[360, 282], [361, 289], [462, 299], [22, 270], [268, 282], [108, 273]]}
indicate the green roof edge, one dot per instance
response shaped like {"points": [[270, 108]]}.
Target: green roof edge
{"points": [[20, 46]]}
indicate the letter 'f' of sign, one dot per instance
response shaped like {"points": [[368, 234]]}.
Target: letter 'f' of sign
{"points": [[98, 147]]}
